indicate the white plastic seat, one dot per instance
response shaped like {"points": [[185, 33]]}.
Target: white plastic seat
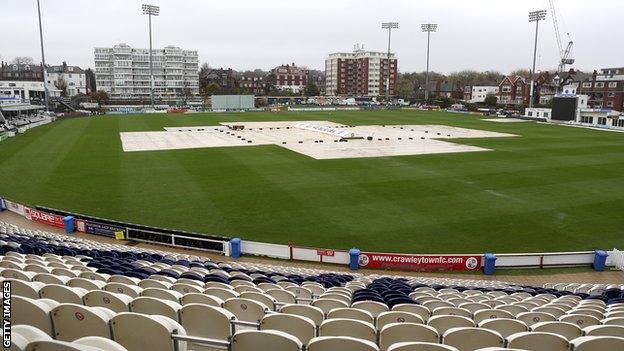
{"points": [[86, 284], [351, 313], [32, 312], [100, 343], [223, 294], [444, 323], [162, 294], [566, 329], [300, 292], [49, 278], [473, 306], [538, 341], [22, 335], [301, 327], [184, 288], [513, 309], [604, 330], [422, 311], [154, 306], [153, 283], [613, 321], [113, 301], [315, 314], [469, 339], [374, 307], [490, 313], [245, 309], [282, 296], [348, 327], [530, 318], [342, 343], [504, 326], [121, 288], [16, 273], [420, 346], [274, 340], [263, 298], [123, 279], [194, 317], [73, 321], [389, 317], [451, 311], [328, 304], [406, 332], [138, 332], [597, 343], [582, 320], [201, 298], [25, 289]]}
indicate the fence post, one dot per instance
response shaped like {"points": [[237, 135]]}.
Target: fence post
{"points": [[600, 260], [354, 257], [235, 248], [489, 263], [69, 224]]}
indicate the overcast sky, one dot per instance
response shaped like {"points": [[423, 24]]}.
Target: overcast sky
{"points": [[248, 34]]}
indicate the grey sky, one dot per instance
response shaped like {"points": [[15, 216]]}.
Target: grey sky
{"points": [[248, 34]]}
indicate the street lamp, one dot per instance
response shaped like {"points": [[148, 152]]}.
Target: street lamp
{"points": [[44, 70], [557, 81], [151, 10], [428, 28], [535, 16], [389, 26]]}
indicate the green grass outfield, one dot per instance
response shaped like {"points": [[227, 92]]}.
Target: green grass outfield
{"points": [[553, 188]]}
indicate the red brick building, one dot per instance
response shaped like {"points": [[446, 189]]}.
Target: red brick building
{"points": [[605, 89], [360, 73], [516, 90], [289, 77]]}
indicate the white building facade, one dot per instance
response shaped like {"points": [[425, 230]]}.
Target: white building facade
{"points": [[124, 72], [70, 78], [26, 90], [478, 93]]}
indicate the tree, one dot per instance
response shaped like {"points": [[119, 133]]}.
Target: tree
{"points": [[521, 72], [406, 86], [312, 89], [22, 60], [490, 100], [187, 93], [101, 97], [212, 89], [61, 84]]}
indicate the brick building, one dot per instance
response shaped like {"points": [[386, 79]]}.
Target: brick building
{"points": [[288, 77], [516, 90], [359, 73], [605, 88], [253, 83]]}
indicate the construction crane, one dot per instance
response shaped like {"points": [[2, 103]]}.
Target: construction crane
{"points": [[564, 54]]}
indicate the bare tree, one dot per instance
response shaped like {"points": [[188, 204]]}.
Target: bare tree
{"points": [[61, 84], [22, 60]]}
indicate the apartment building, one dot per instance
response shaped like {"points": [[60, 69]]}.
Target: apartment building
{"points": [[253, 83], [124, 72], [605, 88], [360, 73], [477, 93], [289, 77]]}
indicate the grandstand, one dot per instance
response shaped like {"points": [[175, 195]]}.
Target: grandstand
{"points": [[73, 293]]}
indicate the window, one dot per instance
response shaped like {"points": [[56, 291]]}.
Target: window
{"points": [[609, 103], [585, 119], [530, 114], [599, 84], [611, 95], [545, 114], [613, 85], [506, 88], [618, 123], [586, 84], [602, 121]]}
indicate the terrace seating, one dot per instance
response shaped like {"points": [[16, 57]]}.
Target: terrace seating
{"points": [[75, 294]]}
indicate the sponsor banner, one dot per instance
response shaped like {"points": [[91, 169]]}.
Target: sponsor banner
{"points": [[80, 225], [325, 252], [44, 217], [375, 260], [102, 229], [15, 207]]}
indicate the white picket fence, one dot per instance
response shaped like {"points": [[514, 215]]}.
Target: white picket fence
{"points": [[616, 258]]}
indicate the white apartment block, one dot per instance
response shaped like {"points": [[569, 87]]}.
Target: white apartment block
{"points": [[359, 73], [480, 92], [123, 72]]}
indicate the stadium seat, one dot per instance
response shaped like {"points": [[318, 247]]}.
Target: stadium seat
{"points": [[86, 284], [538, 341], [249, 340], [35, 313], [153, 306], [613, 321], [530, 318], [282, 296], [422, 311], [389, 317], [194, 317], [301, 327], [375, 308], [489, 313], [266, 300], [420, 346], [348, 327], [342, 343], [406, 332], [351, 313], [245, 309], [112, 301], [138, 332], [23, 334], [327, 305], [201, 298], [566, 329], [451, 311], [582, 320], [315, 314], [73, 321], [121, 288], [100, 343], [223, 294], [604, 330], [595, 343], [25, 289], [504, 326], [469, 339], [444, 323]]}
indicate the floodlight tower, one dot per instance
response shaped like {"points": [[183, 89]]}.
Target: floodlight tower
{"points": [[389, 26], [535, 16], [151, 10], [44, 70], [428, 28]]}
